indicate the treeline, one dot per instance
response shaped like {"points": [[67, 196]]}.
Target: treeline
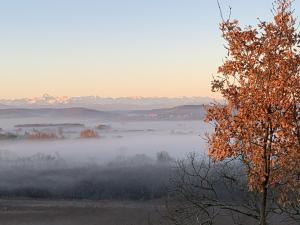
{"points": [[50, 177]]}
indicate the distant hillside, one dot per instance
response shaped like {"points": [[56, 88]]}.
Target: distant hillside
{"points": [[2, 106], [185, 112], [55, 112]]}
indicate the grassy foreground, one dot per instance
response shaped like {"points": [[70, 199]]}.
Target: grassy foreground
{"points": [[45, 212]]}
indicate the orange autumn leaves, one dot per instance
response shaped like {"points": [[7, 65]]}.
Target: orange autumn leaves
{"points": [[260, 122]]}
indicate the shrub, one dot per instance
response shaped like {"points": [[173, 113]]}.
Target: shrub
{"points": [[88, 133], [41, 135]]}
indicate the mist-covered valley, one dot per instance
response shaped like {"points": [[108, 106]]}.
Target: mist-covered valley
{"points": [[65, 153]]}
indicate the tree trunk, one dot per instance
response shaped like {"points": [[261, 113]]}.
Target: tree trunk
{"points": [[266, 158], [262, 220]]}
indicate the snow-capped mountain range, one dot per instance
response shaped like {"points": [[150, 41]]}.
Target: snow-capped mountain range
{"points": [[103, 103]]}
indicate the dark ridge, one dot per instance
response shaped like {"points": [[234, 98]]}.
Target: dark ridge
{"points": [[50, 125]]}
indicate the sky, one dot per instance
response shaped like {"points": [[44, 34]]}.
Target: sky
{"points": [[115, 48]]}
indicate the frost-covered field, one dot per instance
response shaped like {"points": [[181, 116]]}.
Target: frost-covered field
{"points": [[32, 212]]}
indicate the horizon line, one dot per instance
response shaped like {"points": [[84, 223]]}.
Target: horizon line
{"points": [[111, 97]]}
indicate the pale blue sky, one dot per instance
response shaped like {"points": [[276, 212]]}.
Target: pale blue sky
{"points": [[115, 47]]}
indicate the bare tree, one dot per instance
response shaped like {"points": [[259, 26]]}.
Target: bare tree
{"points": [[207, 193]]}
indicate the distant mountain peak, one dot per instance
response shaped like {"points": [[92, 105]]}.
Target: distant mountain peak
{"points": [[46, 95], [105, 103]]}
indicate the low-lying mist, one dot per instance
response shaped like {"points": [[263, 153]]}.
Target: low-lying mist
{"points": [[139, 177], [113, 139], [92, 159]]}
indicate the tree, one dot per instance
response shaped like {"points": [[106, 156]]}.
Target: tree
{"points": [[210, 193], [260, 122], [205, 192]]}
